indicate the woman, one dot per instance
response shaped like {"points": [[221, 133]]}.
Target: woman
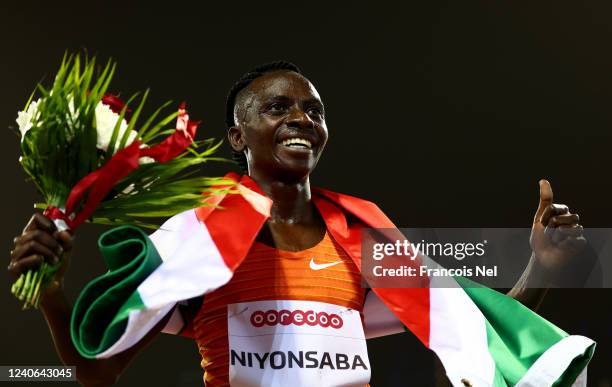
{"points": [[277, 131]]}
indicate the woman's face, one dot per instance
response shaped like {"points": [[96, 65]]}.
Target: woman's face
{"points": [[280, 125]]}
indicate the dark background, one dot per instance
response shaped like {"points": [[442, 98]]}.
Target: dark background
{"points": [[444, 113]]}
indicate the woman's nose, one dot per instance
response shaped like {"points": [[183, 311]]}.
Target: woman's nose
{"points": [[298, 117]]}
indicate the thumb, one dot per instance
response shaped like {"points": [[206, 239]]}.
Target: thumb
{"points": [[546, 198]]}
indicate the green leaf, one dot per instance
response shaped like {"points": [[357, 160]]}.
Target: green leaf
{"points": [[143, 129], [110, 151], [157, 127], [133, 120]]}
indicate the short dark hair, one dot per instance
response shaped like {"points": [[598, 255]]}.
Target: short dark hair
{"points": [[244, 81]]}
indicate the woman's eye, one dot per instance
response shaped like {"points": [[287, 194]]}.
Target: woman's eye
{"points": [[277, 107], [315, 112]]}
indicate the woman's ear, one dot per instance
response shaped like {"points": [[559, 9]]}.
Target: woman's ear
{"points": [[236, 138]]}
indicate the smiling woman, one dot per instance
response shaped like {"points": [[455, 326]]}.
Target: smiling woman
{"points": [[278, 126], [279, 114], [268, 283]]}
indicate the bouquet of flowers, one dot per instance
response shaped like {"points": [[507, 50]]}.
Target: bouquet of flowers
{"points": [[92, 159]]}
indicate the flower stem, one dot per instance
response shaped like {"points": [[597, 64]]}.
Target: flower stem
{"points": [[30, 292], [30, 286], [25, 286], [18, 284]]}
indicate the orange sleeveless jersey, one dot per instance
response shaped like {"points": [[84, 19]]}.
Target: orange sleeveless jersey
{"points": [[271, 274]]}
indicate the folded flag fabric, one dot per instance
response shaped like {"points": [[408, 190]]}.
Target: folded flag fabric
{"points": [[514, 346], [482, 337], [103, 307]]}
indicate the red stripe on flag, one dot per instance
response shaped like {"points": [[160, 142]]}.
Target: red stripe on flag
{"points": [[234, 227], [365, 210], [410, 305]]}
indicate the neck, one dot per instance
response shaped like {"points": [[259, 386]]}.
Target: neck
{"points": [[291, 201]]}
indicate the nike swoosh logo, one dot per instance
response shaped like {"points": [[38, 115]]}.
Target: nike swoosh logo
{"points": [[320, 266]]}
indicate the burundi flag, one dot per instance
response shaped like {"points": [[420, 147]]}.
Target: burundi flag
{"points": [[482, 337]]}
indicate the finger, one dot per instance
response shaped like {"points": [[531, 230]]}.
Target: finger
{"points": [[34, 247], [553, 210], [16, 268], [564, 232], [546, 198], [560, 220], [39, 221], [563, 220], [65, 239], [573, 245], [41, 236]]}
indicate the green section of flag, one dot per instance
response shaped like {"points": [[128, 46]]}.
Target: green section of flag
{"points": [[573, 371], [100, 314], [517, 336]]}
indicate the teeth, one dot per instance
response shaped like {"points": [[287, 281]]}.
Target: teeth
{"points": [[297, 141]]}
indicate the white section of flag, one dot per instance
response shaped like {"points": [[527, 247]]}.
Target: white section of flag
{"points": [[192, 265]]}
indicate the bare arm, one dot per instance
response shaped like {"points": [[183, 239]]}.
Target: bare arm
{"points": [[526, 292], [90, 372], [40, 242]]}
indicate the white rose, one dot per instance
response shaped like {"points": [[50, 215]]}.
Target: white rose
{"points": [[25, 119], [105, 124], [146, 160]]}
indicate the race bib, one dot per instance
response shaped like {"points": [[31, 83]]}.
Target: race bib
{"points": [[296, 343]]}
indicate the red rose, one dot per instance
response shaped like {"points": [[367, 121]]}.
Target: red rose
{"points": [[116, 105]]}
